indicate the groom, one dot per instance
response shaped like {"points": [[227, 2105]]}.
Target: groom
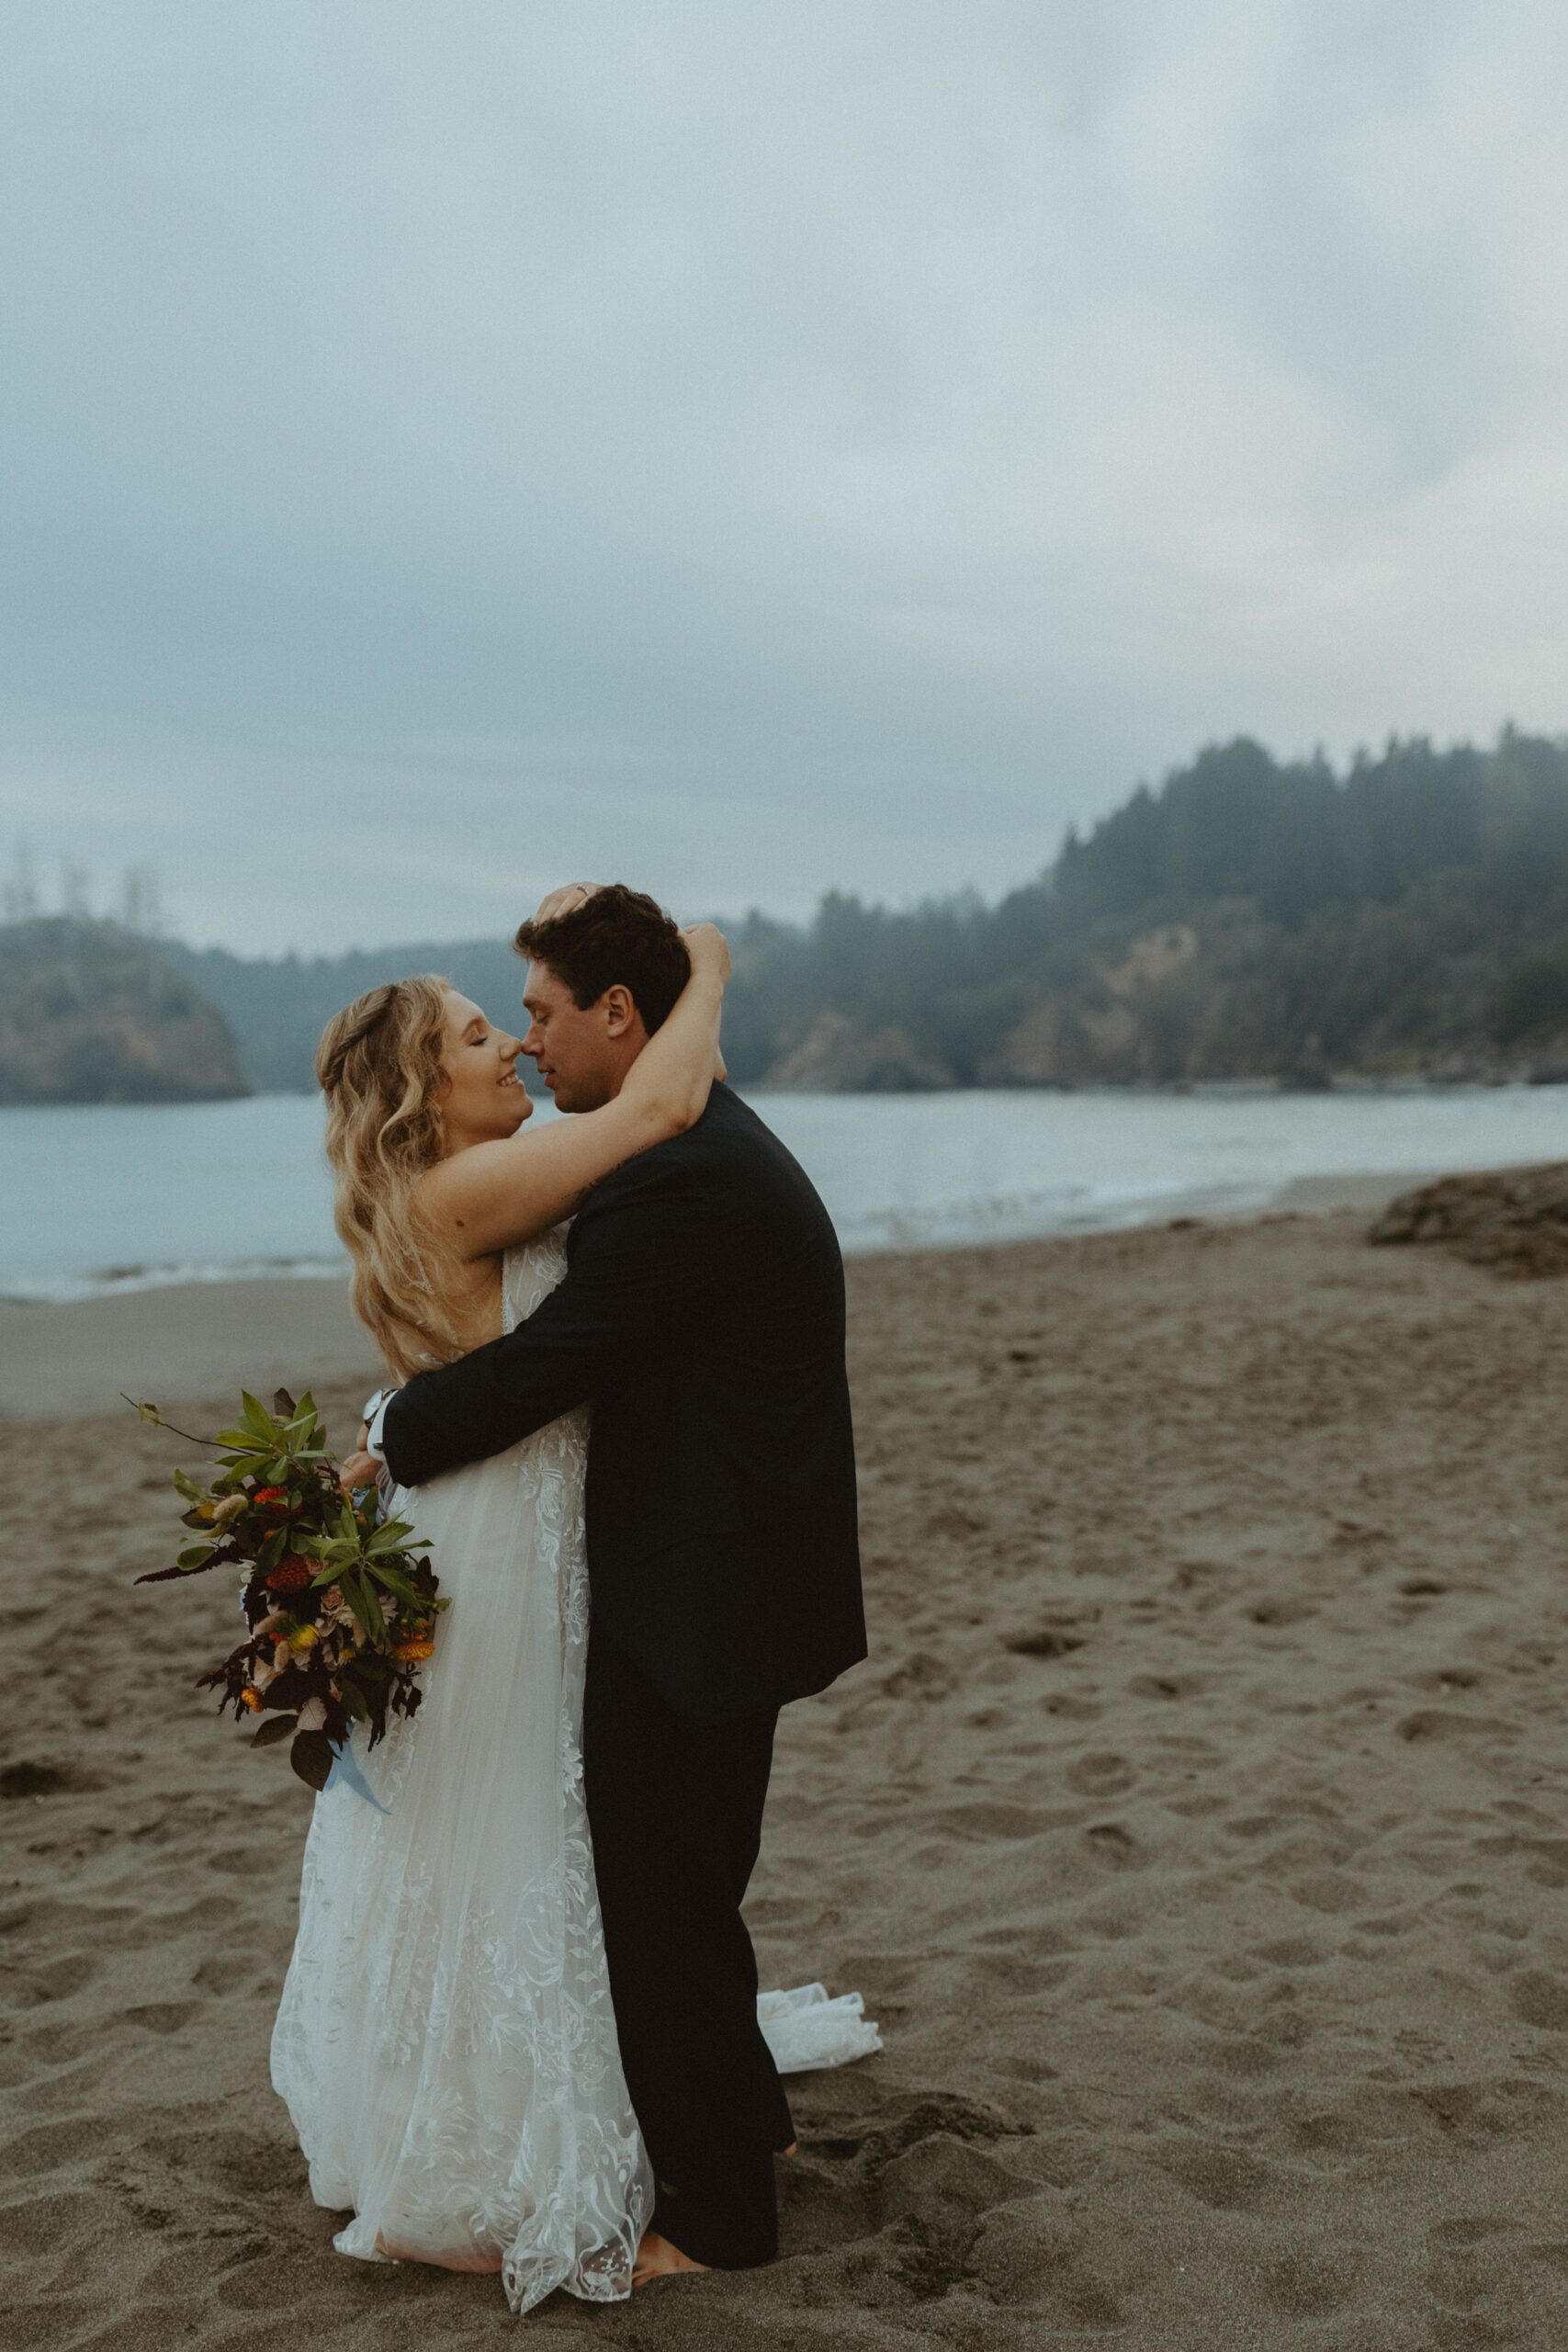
{"points": [[703, 1317]]}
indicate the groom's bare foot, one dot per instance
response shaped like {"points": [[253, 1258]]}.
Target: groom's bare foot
{"points": [[657, 2258]]}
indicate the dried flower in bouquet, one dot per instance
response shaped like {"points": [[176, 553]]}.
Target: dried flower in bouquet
{"points": [[340, 1607]]}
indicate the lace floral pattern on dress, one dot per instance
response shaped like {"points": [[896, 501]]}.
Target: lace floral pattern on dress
{"points": [[445, 2042]]}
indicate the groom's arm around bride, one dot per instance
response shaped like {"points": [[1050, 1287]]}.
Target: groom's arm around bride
{"points": [[703, 1317]]}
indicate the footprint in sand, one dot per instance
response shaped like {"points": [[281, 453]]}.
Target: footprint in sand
{"points": [[161, 2016], [1048, 1641], [992, 1819], [1030, 2253], [26, 1779], [65, 1975], [1100, 1775], [1538, 1999]]}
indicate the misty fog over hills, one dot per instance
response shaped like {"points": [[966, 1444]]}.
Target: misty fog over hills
{"points": [[1249, 920]]}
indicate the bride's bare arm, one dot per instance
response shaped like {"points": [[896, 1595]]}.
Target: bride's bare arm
{"points": [[495, 1194]]}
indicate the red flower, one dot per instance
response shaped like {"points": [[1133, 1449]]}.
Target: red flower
{"points": [[289, 1575], [267, 1495]]}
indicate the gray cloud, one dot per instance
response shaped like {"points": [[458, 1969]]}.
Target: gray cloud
{"points": [[751, 448]]}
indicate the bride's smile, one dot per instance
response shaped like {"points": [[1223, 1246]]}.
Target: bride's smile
{"points": [[482, 1099]]}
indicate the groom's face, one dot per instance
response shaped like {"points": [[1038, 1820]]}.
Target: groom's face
{"points": [[582, 1052]]}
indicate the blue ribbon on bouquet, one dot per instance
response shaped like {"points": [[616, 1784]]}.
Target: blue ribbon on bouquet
{"points": [[345, 1768]]}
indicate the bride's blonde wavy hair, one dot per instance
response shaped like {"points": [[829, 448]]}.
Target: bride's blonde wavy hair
{"points": [[380, 1065]]}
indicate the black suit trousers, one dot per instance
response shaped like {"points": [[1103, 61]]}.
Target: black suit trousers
{"points": [[675, 1810]]}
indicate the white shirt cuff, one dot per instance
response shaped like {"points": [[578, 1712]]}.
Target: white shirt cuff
{"points": [[375, 1414]]}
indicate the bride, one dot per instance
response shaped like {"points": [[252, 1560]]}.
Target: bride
{"points": [[446, 2042]]}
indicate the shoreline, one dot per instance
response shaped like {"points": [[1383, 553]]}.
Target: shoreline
{"points": [[183, 1343]]}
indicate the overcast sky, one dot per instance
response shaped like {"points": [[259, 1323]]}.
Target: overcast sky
{"points": [[750, 449]]}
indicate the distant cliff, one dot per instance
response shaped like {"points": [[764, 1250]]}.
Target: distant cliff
{"points": [[90, 1013]]}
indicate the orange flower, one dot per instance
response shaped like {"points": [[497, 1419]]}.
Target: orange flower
{"points": [[252, 1699], [290, 1575], [410, 1651]]}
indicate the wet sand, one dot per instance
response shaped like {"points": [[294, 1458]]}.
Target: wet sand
{"points": [[1198, 1832]]}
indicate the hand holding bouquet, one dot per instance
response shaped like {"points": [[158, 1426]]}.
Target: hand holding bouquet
{"points": [[339, 1606]]}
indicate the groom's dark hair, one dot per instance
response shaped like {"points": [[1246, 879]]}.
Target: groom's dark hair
{"points": [[618, 937]]}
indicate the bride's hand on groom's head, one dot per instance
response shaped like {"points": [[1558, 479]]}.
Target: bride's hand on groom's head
{"points": [[709, 951], [563, 901]]}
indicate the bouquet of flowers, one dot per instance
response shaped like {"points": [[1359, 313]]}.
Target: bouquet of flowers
{"points": [[340, 1608]]}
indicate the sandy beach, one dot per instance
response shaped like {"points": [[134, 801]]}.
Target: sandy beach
{"points": [[1198, 1832]]}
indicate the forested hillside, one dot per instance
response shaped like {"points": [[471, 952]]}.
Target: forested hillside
{"points": [[277, 1008], [89, 1013], [1249, 919]]}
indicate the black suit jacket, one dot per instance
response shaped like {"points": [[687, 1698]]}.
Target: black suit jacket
{"points": [[702, 1316]]}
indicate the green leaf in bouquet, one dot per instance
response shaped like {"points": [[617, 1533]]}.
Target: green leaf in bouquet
{"points": [[255, 1416], [374, 1621], [195, 1555], [277, 1727], [353, 1699], [283, 1405], [395, 1581], [402, 1531], [311, 1756], [271, 1548], [393, 1536], [187, 1486], [365, 1607]]}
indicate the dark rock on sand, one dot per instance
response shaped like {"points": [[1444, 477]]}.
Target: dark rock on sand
{"points": [[1513, 1218]]}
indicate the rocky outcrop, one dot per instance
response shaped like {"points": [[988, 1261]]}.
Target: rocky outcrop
{"points": [[91, 1014], [835, 1058], [1514, 1219]]}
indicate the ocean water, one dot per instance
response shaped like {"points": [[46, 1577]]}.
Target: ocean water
{"points": [[98, 1200]]}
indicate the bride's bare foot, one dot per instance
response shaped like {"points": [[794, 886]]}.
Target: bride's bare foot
{"points": [[657, 2258], [473, 2261], [793, 2149]]}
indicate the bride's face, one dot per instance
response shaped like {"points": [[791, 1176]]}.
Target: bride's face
{"points": [[482, 1099]]}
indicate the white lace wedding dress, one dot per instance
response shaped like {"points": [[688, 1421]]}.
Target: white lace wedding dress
{"points": [[445, 2042]]}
